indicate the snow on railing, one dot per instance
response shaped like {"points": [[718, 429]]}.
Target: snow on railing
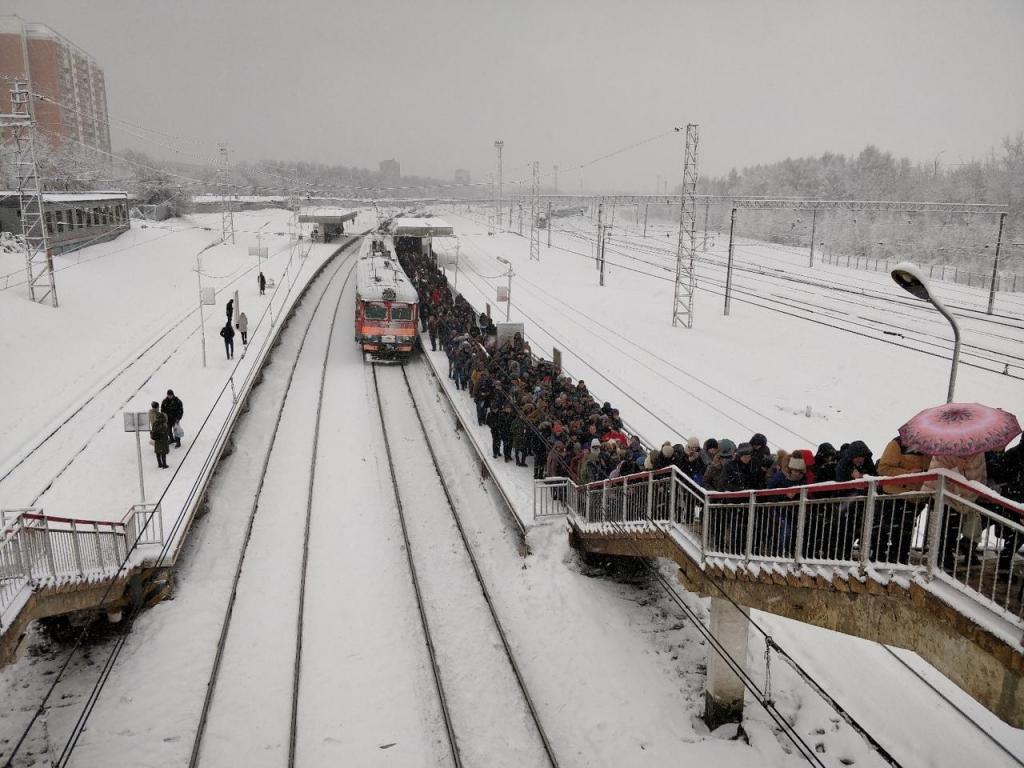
{"points": [[933, 524], [38, 550]]}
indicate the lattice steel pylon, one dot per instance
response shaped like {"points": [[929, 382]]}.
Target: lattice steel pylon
{"points": [[686, 251], [534, 213], [227, 216], [38, 259]]}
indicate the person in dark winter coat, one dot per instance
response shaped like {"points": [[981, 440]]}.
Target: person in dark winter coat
{"points": [[742, 473], [484, 390], [228, 334], [229, 310], [714, 474], [665, 456], [844, 523], [541, 439], [432, 330], [520, 438], [500, 422], [825, 460], [762, 456], [691, 462], [173, 408], [160, 436], [1006, 471]]}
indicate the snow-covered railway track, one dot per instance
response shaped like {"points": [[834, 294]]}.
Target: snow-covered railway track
{"points": [[224, 732], [66, 441], [489, 714]]}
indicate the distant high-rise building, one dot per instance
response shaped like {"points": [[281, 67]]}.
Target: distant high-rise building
{"points": [[59, 70], [390, 170], [462, 176]]}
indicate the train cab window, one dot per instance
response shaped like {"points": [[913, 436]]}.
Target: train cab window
{"points": [[401, 312], [376, 312]]}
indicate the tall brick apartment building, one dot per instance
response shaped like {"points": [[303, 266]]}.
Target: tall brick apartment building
{"points": [[57, 68]]}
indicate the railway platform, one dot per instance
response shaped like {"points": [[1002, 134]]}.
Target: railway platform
{"points": [[58, 564]]}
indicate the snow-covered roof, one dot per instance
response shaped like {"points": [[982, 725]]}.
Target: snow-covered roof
{"points": [[421, 227], [72, 197], [380, 278], [238, 198], [326, 214]]}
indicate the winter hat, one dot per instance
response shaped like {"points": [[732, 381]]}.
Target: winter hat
{"points": [[154, 404], [758, 440], [744, 449], [710, 443], [825, 450], [693, 443], [595, 443], [797, 463], [667, 449], [726, 448]]}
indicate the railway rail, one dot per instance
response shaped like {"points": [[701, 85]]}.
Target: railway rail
{"points": [[467, 705], [129, 366], [216, 669]]}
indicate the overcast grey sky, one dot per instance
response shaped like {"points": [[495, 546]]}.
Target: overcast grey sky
{"points": [[434, 83]]}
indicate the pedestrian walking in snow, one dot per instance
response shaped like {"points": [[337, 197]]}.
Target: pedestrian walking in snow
{"points": [[243, 327], [173, 408], [263, 283], [228, 334], [160, 436], [229, 309]]}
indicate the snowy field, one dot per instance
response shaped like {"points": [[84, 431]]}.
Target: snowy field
{"points": [[614, 665]]}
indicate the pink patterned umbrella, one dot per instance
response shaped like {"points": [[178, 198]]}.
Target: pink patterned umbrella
{"points": [[959, 429]]}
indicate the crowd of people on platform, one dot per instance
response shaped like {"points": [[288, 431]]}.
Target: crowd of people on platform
{"points": [[532, 410]]}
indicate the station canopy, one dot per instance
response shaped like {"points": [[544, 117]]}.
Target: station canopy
{"points": [[325, 214], [429, 227]]}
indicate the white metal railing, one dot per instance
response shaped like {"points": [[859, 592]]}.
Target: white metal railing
{"points": [[37, 550], [933, 524]]}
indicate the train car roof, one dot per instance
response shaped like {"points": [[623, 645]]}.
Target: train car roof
{"points": [[421, 227], [380, 278]]}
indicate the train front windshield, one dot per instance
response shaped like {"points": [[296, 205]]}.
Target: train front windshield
{"points": [[401, 312]]}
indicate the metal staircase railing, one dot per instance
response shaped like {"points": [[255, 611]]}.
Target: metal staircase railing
{"points": [[38, 551], [950, 529]]}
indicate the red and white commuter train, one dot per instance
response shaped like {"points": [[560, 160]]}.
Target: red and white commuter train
{"points": [[387, 307]]}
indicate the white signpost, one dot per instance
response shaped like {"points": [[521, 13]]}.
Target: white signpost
{"points": [[138, 421]]}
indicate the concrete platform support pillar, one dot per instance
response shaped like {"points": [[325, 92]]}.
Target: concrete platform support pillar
{"points": [[723, 691]]}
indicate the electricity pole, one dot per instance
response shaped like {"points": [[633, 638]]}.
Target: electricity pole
{"points": [[498, 146], [549, 223], [686, 251], [38, 259], [556, 179], [534, 213], [995, 266], [227, 216], [814, 225]]}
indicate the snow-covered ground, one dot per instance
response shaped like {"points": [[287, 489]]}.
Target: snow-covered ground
{"points": [[762, 368], [127, 331], [615, 667]]}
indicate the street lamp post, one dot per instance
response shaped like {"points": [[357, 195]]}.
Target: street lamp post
{"points": [[508, 295], [456, 285], [199, 277], [912, 280]]}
